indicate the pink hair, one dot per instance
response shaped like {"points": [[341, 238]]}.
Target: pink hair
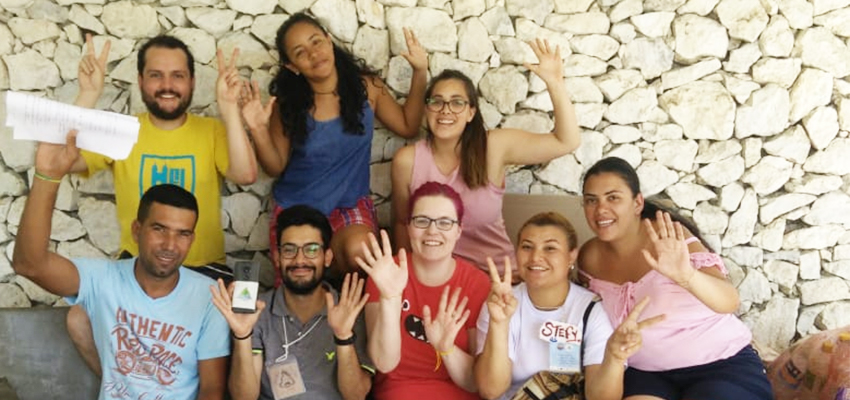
{"points": [[436, 189]]}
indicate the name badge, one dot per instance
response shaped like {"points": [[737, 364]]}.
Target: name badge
{"points": [[285, 379], [564, 342]]}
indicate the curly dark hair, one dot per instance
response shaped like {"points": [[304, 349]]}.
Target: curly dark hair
{"points": [[295, 97]]}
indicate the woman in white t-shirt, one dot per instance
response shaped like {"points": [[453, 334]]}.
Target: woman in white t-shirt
{"points": [[538, 325]]}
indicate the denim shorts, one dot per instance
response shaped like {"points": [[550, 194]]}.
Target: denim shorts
{"points": [[740, 377]]}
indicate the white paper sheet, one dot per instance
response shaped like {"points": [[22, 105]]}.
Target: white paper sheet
{"points": [[44, 120]]}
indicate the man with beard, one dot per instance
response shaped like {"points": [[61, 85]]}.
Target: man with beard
{"points": [[301, 343], [156, 333]]}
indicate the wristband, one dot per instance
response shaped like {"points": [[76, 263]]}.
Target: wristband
{"points": [[345, 342], [243, 337], [46, 178], [440, 355]]}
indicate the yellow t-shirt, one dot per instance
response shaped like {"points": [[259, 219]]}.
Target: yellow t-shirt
{"points": [[194, 157]]}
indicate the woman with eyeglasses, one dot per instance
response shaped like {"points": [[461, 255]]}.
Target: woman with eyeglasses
{"points": [[421, 314], [460, 152], [317, 142]]}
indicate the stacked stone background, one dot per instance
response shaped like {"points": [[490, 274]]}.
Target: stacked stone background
{"points": [[736, 111]]}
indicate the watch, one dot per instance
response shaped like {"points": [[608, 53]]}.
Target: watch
{"points": [[345, 342]]}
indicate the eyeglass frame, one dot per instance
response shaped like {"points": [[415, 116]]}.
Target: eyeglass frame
{"points": [[435, 221], [301, 248], [431, 101]]}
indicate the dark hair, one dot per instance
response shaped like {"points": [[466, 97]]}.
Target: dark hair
{"points": [[295, 97], [300, 215], [551, 218], [627, 173], [167, 194], [168, 42], [473, 140], [436, 189]]}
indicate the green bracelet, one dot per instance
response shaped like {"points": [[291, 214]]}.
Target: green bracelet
{"points": [[46, 178]]}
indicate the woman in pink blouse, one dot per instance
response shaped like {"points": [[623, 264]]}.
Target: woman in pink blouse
{"points": [[701, 350]]}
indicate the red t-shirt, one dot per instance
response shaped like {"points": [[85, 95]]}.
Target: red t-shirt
{"points": [[414, 377]]}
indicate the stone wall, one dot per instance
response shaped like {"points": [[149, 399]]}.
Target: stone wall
{"points": [[737, 111]]}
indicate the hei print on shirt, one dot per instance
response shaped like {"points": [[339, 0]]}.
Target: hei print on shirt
{"points": [[158, 170]]}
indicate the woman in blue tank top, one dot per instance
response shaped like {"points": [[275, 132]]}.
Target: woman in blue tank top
{"points": [[317, 141]]}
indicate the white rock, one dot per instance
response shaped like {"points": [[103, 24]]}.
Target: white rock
{"points": [[65, 227], [624, 32], [710, 219], [504, 87], [435, 29], [770, 237], [817, 237], [798, 12], [825, 6], [7, 40], [99, 218], [676, 154], [527, 30], [80, 17], [463, 9], [634, 106], [30, 31], [765, 114], [530, 121], [400, 72], [823, 291], [730, 196], [15, 5], [258, 240], [835, 315], [681, 76], [769, 175], [243, 208], [373, 46], [371, 13], [821, 49], [742, 58], [571, 6], [782, 72], [265, 28], [294, 6], [205, 94], [476, 46], [29, 70], [253, 7], [745, 19], [621, 134], [822, 126], [563, 172], [755, 288], [839, 268], [514, 51], [653, 132], [498, 22], [810, 265], [583, 90], [654, 24], [812, 89], [11, 183], [843, 113], [775, 326], [6, 271], [252, 53], [233, 243], [703, 109], [617, 82], [599, 46], [782, 273], [815, 184], [125, 19], [339, 17], [628, 152], [173, 14], [625, 9], [588, 23], [440, 61], [835, 21], [80, 249], [651, 56], [535, 10], [200, 43], [831, 160], [742, 222], [806, 320], [830, 208], [590, 150], [662, 5], [782, 205], [35, 292], [582, 65], [697, 37], [777, 40], [793, 145], [11, 296], [215, 21], [590, 114], [655, 177], [745, 256]]}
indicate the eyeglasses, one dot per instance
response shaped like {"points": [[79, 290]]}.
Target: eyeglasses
{"points": [[436, 104], [309, 250], [423, 222]]}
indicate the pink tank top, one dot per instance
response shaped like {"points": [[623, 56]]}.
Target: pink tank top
{"points": [[484, 233], [692, 334]]}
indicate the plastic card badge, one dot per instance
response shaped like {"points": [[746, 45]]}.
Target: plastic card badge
{"points": [[564, 346], [285, 379]]}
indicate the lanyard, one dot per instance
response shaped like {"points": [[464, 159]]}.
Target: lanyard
{"points": [[286, 344]]}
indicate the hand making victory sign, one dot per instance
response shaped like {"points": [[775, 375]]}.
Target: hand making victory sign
{"points": [[627, 339]]}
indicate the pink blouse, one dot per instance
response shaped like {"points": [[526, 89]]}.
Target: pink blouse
{"points": [[691, 334]]}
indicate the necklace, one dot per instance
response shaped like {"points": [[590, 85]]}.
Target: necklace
{"points": [[546, 308], [332, 92]]}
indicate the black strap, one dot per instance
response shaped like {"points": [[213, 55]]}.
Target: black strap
{"points": [[583, 332]]}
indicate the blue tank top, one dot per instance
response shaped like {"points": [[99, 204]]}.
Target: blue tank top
{"points": [[331, 169]]}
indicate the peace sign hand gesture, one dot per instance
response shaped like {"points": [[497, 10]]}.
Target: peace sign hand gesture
{"points": [[442, 330], [377, 262], [550, 67], [92, 71], [669, 255], [501, 303], [627, 339], [228, 86]]}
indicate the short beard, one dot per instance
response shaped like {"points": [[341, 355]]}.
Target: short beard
{"points": [[301, 288], [153, 108]]}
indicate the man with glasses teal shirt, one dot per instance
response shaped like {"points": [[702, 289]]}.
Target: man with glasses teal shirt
{"points": [[305, 340]]}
